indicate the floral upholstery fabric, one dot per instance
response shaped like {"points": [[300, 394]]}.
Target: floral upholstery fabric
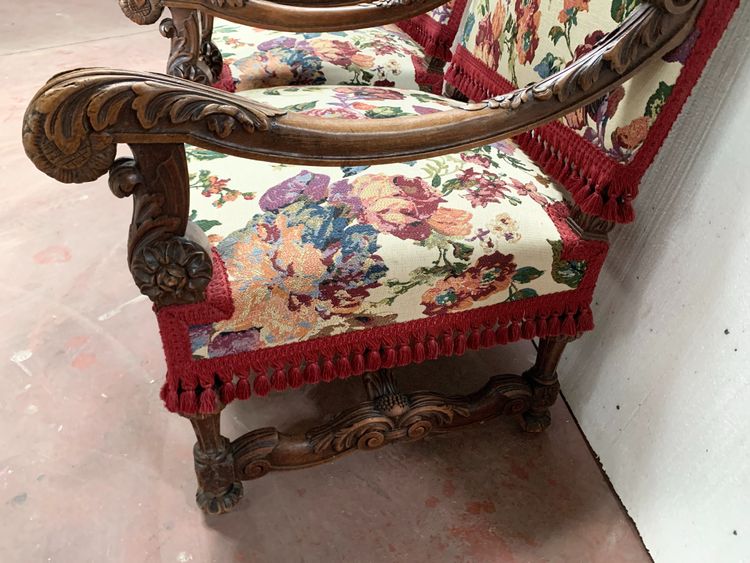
{"points": [[442, 14], [378, 56], [313, 252], [526, 40]]}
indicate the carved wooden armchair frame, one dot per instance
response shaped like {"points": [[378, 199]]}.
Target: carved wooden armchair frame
{"points": [[74, 124]]}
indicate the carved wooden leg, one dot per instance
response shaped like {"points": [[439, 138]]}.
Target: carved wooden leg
{"points": [[218, 489], [544, 385]]}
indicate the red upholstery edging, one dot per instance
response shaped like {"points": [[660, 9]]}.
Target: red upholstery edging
{"points": [[191, 382], [600, 185], [436, 39], [425, 78], [226, 80]]}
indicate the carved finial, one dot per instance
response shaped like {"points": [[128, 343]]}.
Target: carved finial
{"points": [[142, 12]]}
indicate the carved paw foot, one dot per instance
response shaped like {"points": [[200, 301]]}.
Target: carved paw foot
{"points": [[535, 423], [213, 504]]}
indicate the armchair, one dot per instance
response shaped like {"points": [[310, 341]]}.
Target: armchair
{"points": [[397, 227]]}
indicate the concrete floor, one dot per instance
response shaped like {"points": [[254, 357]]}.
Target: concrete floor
{"points": [[92, 468]]}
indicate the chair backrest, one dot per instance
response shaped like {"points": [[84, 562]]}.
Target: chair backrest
{"points": [[436, 31], [601, 152]]}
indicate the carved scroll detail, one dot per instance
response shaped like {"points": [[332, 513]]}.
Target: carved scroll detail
{"points": [[64, 127], [388, 417], [186, 52], [142, 12], [210, 53]]}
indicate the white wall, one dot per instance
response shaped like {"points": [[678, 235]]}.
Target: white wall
{"points": [[678, 447]]}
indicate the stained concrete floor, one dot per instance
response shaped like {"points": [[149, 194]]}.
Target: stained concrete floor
{"points": [[93, 469]]}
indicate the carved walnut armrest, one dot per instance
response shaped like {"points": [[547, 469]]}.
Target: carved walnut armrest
{"points": [[289, 15], [73, 125], [85, 113]]}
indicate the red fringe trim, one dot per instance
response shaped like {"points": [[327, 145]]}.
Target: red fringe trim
{"points": [[600, 185], [226, 80], [432, 81], [453, 342], [434, 38]]}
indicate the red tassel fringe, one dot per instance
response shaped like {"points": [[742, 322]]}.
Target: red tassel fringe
{"points": [[262, 385], [208, 401], [295, 378], [278, 381], [329, 371], [188, 401]]}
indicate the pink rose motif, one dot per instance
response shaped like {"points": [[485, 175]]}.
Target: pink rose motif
{"points": [[338, 53], [335, 113], [451, 222], [396, 205], [476, 158], [363, 61], [368, 93]]}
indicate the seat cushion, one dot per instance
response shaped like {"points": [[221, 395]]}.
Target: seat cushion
{"points": [[377, 56], [324, 272]]}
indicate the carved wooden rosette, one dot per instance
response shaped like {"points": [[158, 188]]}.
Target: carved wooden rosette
{"points": [[142, 12]]}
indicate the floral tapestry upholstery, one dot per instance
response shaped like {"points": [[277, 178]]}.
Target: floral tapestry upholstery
{"points": [[526, 40], [323, 271], [600, 152], [377, 56]]}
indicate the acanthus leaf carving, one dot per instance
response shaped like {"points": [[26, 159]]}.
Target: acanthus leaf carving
{"points": [[67, 128]]}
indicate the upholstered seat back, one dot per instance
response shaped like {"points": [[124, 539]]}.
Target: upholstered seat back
{"points": [[600, 152]]}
